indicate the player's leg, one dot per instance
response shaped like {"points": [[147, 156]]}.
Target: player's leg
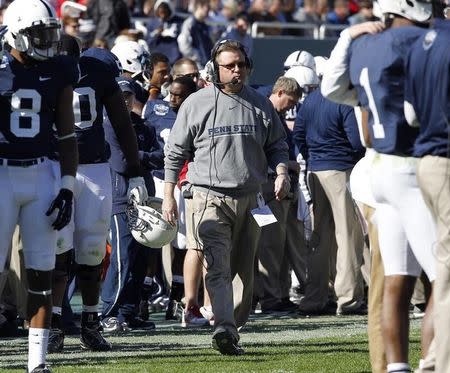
{"points": [[401, 270], [59, 284], [420, 231], [92, 221], [39, 248]]}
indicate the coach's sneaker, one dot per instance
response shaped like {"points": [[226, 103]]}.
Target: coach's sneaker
{"points": [[55, 341], [192, 317], [227, 344], [43, 368]]}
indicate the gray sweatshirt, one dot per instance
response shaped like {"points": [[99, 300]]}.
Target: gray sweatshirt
{"points": [[232, 138]]}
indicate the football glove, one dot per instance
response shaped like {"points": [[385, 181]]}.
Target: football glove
{"points": [[137, 192], [62, 202]]}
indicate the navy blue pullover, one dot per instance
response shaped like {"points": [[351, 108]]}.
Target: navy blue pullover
{"points": [[326, 134], [151, 156]]}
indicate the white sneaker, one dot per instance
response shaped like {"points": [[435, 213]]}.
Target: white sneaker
{"points": [[192, 318], [208, 314]]}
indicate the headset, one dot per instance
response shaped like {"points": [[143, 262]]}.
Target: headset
{"points": [[212, 68]]}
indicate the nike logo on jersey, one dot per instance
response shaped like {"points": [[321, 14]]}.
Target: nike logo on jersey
{"points": [[84, 76], [44, 78]]}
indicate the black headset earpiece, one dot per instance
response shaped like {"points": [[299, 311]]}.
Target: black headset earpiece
{"points": [[212, 68]]}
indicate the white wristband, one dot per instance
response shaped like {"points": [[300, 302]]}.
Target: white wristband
{"points": [[68, 182]]}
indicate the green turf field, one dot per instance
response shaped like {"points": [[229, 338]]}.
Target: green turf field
{"points": [[272, 344]]}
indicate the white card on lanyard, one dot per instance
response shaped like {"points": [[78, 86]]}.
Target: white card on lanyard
{"points": [[262, 214]]}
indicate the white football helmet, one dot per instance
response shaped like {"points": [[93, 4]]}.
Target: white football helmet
{"points": [[33, 28], [133, 56], [147, 224], [300, 58], [306, 78], [414, 10]]}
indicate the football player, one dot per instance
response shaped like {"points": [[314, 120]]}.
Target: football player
{"points": [[96, 90], [370, 70], [427, 94], [126, 271], [162, 114], [35, 95], [135, 62]]}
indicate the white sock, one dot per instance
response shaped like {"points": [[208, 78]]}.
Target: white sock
{"points": [[57, 310], [37, 347], [90, 308], [421, 363], [398, 368], [148, 280]]}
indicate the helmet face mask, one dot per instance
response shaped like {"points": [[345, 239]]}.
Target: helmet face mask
{"points": [[43, 39], [147, 225]]}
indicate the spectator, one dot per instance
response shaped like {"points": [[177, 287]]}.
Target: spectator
{"points": [[339, 15], [110, 17], [239, 31], [194, 40], [365, 13], [163, 31]]}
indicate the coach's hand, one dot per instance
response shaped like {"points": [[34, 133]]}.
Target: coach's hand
{"points": [[137, 190], [62, 202], [282, 186], [170, 210]]}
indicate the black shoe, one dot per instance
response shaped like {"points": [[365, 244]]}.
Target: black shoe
{"points": [[143, 310], [91, 339], [41, 369], [174, 310], [55, 341], [227, 344], [329, 309], [361, 310], [138, 323], [282, 307]]}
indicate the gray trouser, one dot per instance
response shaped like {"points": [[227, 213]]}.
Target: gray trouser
{"points": [[229, 236]]}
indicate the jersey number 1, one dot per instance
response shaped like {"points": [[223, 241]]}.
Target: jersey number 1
{"points": [[378, 129]]}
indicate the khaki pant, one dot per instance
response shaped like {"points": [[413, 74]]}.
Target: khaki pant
{"points": [[229, 237], [281, 247], [433, 175], [375, 301], [15, 279], [333, 203]]}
